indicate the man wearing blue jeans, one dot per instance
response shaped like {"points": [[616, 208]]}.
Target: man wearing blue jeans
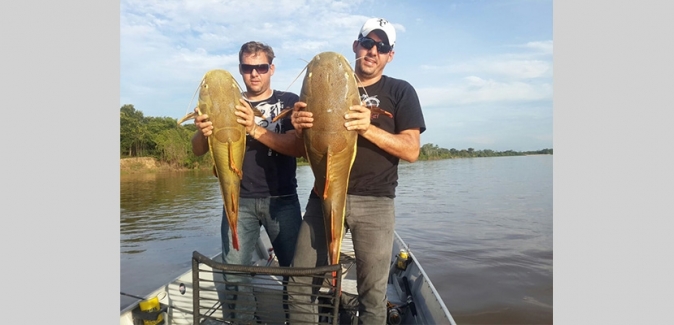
{"points": [[268, 194], [370, 210]]}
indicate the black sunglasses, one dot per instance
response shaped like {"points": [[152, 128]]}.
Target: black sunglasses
{"points": [[368, 43], [248, 68]]}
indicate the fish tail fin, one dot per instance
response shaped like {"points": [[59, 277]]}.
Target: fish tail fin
{"points": [[233, 222], [235, 240]]}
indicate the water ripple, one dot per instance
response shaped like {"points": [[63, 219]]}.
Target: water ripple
{"points": [[481, 228]]}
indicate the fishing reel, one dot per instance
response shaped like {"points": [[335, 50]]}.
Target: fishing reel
{"points": [[395, 312], [394, 315]]}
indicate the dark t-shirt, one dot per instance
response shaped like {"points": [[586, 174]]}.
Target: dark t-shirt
{"points": [[375, 172], [267, 172]]}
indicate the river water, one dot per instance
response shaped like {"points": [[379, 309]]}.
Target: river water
{"points": [[480, 227]]}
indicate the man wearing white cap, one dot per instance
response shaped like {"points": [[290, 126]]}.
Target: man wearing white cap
{"points": [[370, 210]]}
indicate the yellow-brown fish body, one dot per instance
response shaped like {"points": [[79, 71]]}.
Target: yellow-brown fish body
{"points": [[329, 89], [219, 95]]}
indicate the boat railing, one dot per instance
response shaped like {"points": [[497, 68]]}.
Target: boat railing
{"points": [[224, 293]]}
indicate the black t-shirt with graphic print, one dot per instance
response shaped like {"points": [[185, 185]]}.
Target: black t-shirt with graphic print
{"points": [[375, 172], [267, 172]]}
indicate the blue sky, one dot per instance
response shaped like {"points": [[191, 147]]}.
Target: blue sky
{"points": [[482, 69]]}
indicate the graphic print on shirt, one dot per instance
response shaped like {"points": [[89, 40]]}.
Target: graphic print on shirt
{"points": [[369, 102], [270, 111]]}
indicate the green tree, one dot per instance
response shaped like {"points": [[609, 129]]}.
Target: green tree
{"points": [[164, 139], [173, 147], [132, 132], [429, 151]]}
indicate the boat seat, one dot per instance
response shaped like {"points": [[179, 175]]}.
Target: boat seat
{"points": [[261, 296]]}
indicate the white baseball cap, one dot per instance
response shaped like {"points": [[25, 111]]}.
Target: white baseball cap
{"points": [[381, 24]]}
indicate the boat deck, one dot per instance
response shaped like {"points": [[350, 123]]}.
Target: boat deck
{"points": [[266, 297], [208, 285]]}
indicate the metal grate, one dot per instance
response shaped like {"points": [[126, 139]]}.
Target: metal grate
{"points": [[241, 294]]}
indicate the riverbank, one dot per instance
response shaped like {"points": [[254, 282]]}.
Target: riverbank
{"points": [[138, 165]]}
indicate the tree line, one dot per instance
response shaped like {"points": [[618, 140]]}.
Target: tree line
{"points": [[158, 137], [170, 143], [431, 151]]}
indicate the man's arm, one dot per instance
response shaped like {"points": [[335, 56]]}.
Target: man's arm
{"points": [[404, 145], [287, 143]]}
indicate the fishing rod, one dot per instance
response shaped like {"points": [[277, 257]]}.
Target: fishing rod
{"points": [[132, 296], [410, 302], [141, 298]]}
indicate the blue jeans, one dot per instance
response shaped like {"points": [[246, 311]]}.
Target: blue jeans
{"points": [[281, 217], [371, 221]]}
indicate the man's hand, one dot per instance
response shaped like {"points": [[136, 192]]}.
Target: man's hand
{"points": [[203, 124], [358, 119], [245, 115], [301, 119]]}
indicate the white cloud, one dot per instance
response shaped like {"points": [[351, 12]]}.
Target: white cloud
{"points": [[473, 90], [544, 47], [511, 69], [167, 45], [506, 77], [534, 62], [520, 69]]}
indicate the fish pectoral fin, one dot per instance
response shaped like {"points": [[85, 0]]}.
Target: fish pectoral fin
{"points": [[381, 111], [188, 117], [258, 113], [282, 114]]}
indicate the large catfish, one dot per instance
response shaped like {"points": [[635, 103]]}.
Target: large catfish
{"points": [[329, 89], [219, 94]]}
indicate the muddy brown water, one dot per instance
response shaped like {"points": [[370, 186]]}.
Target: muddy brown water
{"points": [[481, 228]]}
